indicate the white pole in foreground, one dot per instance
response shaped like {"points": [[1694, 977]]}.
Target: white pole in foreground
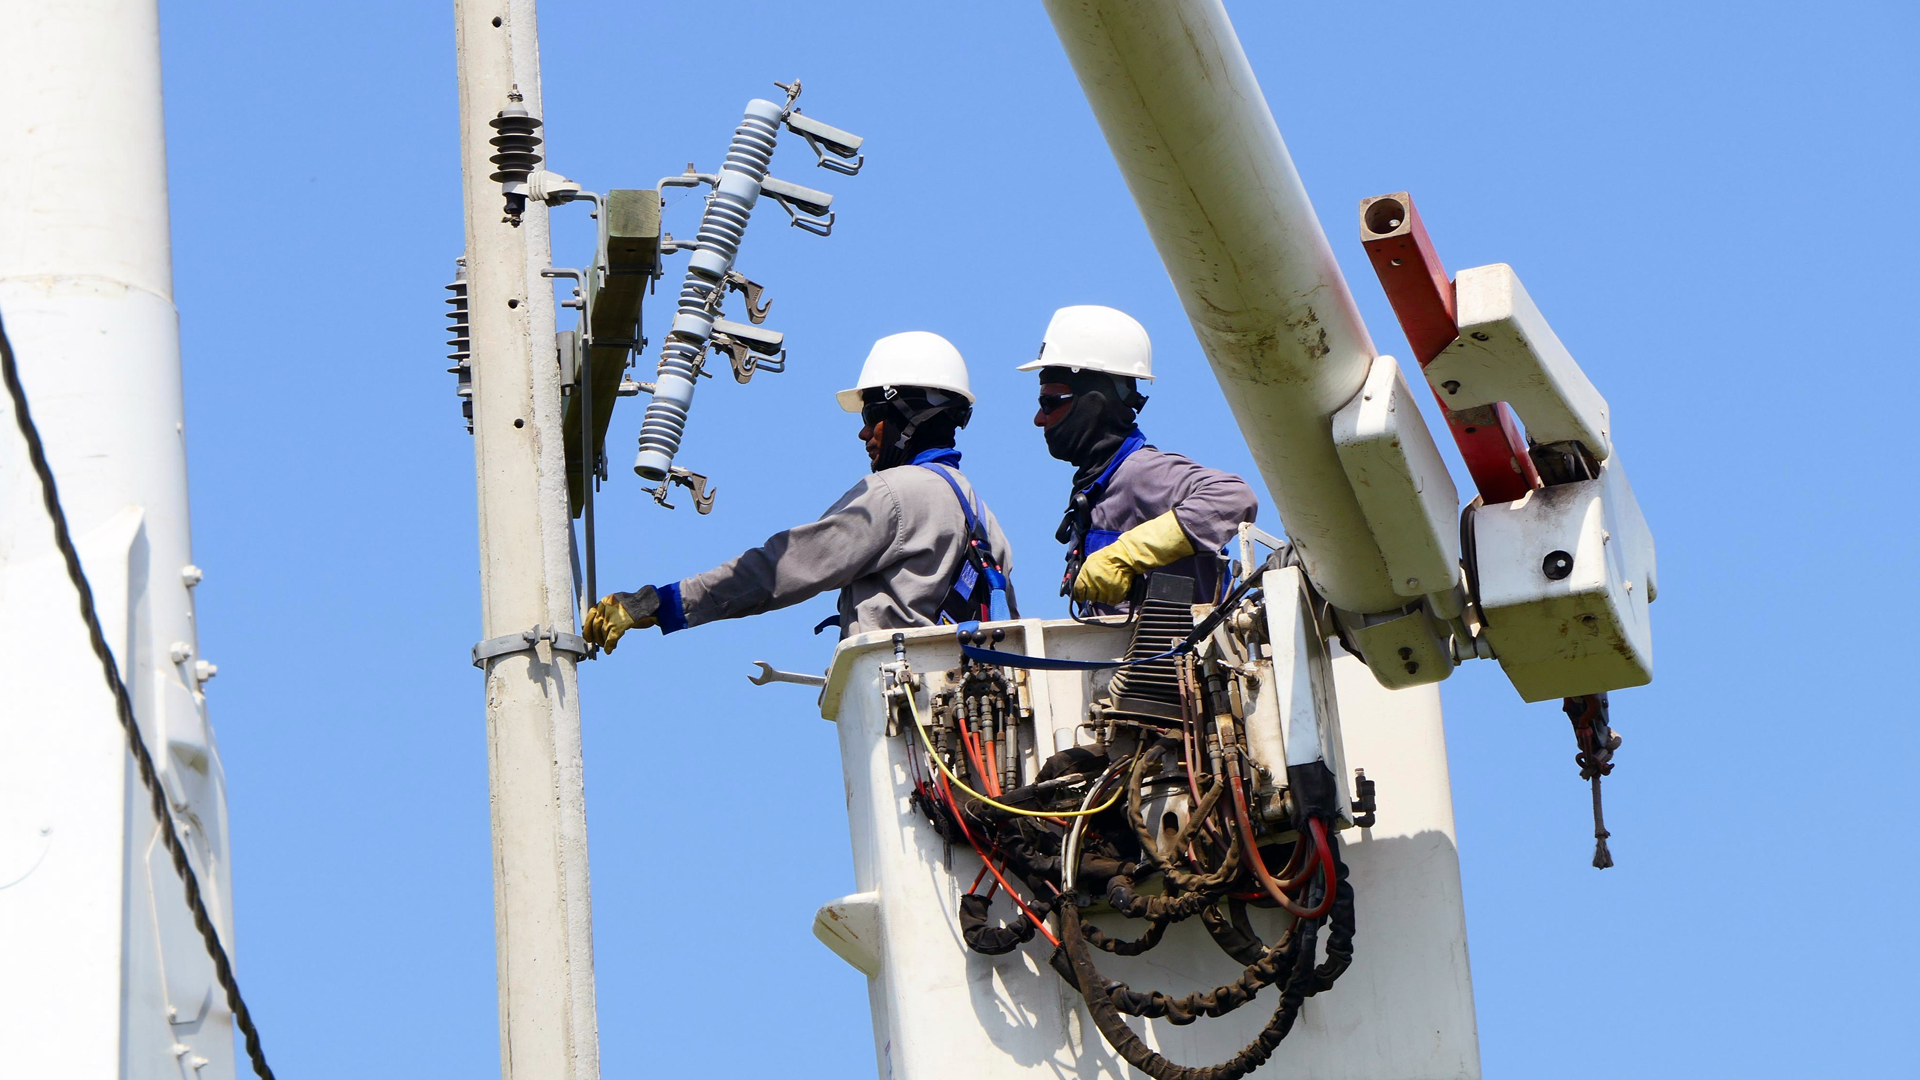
{"points": [[104, 973], [543, 920]]}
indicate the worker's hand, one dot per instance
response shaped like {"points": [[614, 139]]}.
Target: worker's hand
{"points": [[617, 613], [1107, 575]]}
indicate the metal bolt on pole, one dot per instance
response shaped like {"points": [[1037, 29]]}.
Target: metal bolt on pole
{"points": [[542, 910]]}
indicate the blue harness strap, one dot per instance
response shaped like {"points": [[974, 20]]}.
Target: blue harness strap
{"points": [[973, 521], [980, 547], [1095, 539], [1134, 441]]}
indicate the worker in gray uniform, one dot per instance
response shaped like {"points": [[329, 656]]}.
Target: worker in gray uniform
{"points": [[1134, 508], [910, 545]]}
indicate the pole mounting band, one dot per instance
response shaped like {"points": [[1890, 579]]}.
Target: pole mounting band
{"points": [[527, 639]]}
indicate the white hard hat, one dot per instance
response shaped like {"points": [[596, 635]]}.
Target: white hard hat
{"points": [[1094, 338], [915, 358]]}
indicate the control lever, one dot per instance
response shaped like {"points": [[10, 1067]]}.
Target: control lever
{"points": [[752, 291], [750, 348], [745, 361], [806, 206], [843, 146], [771, 674]]}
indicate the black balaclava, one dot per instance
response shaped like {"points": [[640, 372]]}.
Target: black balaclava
{"points": [[1099, 420], [927, 424]]}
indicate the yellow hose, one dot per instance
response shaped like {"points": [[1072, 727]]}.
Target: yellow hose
{"points": [[914, 705]]}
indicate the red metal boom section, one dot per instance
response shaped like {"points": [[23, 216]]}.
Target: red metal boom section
{"points": [[1417, 286]]}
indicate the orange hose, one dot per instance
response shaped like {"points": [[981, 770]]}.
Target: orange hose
{"points": [[972, 743]]}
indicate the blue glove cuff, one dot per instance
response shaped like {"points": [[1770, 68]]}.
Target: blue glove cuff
{"points": [[672, 616]]}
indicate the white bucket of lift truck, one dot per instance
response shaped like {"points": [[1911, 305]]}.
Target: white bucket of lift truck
{"points": [[1404, 1011]]}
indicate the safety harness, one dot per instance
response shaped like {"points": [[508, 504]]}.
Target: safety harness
{"points": [[1076, 527], [979, 590]]}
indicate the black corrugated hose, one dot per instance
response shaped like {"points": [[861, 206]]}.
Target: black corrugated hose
{"points": [[1287, 963], [123, 703], [1293, 957]]}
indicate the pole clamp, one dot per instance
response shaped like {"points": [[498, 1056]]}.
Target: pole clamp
{"points": [[527, 639]]}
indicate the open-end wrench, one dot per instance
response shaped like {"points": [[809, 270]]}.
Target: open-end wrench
{"points": [[771, 674]]}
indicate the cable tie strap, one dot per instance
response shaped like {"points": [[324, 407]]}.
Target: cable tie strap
{"points": [[527, 639]]}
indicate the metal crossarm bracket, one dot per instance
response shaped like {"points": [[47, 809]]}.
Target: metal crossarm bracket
{"points": [[527, 639]]}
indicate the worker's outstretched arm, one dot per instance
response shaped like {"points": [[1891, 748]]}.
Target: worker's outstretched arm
{"points": [[857, 536]]}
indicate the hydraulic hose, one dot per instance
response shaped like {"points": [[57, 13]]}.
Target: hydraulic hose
{"points": [[1070, 852], [1188, 882], [920, 726], [1012, 893], [1298, 950], [1233, 933], [1321, 859]]}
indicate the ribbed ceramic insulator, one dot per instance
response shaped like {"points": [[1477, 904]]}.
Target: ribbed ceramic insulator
{"points": [[721, 227], [516, 144], [460, 341]]}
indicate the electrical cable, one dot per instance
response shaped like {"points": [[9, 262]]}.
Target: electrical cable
{"points": [[123, 705], [920, 726]]}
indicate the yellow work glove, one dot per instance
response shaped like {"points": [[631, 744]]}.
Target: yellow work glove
{"points": [[617, 613], [1107, 575]]}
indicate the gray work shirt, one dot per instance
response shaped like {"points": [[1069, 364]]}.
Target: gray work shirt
{"points": [[892, 545], [1209, 505]]}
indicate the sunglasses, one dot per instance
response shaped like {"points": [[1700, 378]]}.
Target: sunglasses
{"points": [[873, 412], [1051, 402]]}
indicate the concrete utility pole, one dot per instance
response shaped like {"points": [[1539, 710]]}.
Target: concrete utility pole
{"points": [[543, 916]]}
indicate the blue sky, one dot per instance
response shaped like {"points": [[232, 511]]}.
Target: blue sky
{"points": [[1711, 202]]}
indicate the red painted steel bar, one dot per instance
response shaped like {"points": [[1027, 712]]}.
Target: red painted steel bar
{"points": [[1417, 286]]}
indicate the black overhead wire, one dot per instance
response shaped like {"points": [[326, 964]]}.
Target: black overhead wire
{"points": [[123, 704]]}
